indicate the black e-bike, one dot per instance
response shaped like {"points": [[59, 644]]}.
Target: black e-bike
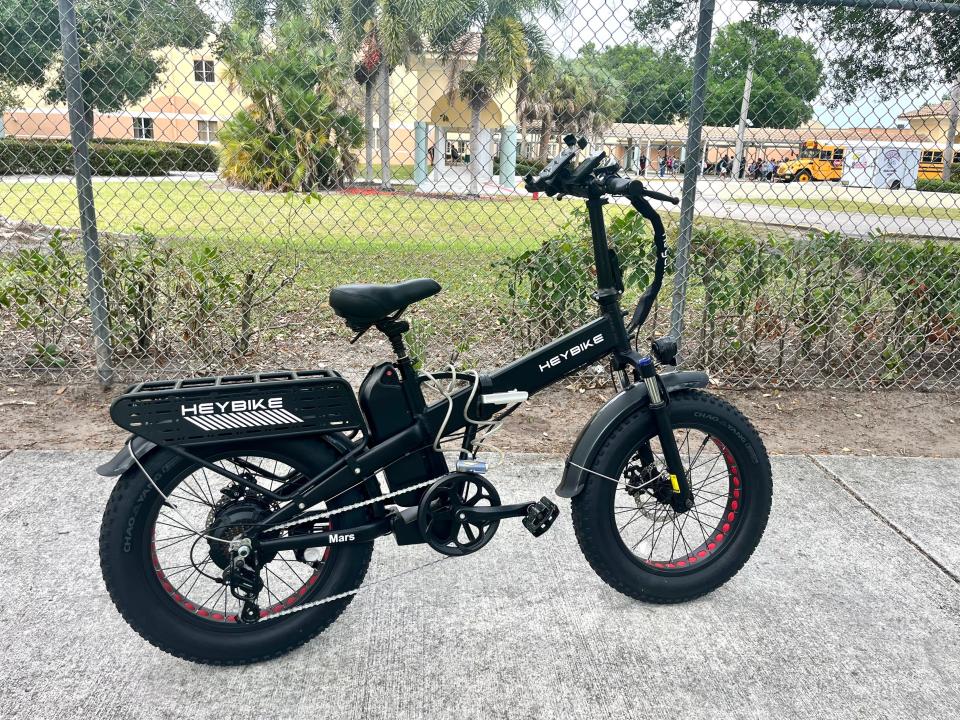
{"points": [[243, 519]]}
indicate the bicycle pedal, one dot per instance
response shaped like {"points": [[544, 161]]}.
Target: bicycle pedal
{"points": [[540, 516]]}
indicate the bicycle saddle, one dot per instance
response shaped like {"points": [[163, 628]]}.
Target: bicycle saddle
{"points": [[363, 305]]}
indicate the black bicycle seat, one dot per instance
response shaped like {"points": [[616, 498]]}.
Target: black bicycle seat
{"points": [[363, 305]]}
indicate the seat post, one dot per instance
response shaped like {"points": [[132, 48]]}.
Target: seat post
{"points": [[394, 330]]}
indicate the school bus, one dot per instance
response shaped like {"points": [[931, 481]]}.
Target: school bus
{"points": [[817, 161], [931, 164]]}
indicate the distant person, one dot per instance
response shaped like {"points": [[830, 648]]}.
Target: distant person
{"points": [[643, 164], [662, 166]]}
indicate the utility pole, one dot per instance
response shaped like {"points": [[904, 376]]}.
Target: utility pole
{"points": [[951, 139], [744, 112]]}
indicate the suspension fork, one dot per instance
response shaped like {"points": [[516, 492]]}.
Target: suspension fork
{"points": [[682, 498]]}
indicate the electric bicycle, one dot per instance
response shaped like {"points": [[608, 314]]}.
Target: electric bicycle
{"points": [[244, 516]]}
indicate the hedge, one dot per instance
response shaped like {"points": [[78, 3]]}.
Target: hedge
{"points": [[523, 166], [953, 186], [107, 157]]}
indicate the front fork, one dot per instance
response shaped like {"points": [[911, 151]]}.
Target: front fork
{"points": [[682, 498]]}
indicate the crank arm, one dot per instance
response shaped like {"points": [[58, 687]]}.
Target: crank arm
{"points": [[682, 498], [346, 536], [484, 515]]}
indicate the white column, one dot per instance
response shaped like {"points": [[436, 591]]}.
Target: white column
{"points": [[484, 155], [439, 152]]}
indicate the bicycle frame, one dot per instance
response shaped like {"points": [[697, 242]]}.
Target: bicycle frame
{"points": [[607, 335]]}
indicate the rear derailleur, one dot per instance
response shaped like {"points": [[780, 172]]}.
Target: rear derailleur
{"points": [[243, 579]]}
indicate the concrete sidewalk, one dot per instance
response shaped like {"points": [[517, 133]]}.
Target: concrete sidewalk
{"points": [[849, 608]]}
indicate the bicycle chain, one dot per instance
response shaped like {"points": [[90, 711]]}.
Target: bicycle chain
{"points": [[347, 508], [354, 506]]}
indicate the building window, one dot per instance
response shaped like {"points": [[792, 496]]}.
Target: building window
{"points": [[203, 71], [207, 130], [143, 128]]}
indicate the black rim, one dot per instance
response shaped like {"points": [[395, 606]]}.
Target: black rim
{"points": [[185, 567], [670, 543]]}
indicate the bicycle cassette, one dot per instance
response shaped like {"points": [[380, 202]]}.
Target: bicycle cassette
{"points": [[441, 522]]}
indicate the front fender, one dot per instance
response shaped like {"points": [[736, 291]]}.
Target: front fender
{"points": [[607, 418]]}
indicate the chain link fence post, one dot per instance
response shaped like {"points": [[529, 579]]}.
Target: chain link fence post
{"points": [[80, 132], [692, 166]]}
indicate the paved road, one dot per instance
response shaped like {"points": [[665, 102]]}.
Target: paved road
{"points": [[850, 608]]}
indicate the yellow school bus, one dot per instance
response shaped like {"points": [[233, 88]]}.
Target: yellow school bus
{"points": [[931, 164], [816, 162]]}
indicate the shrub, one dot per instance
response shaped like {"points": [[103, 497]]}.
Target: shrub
{"points": [[43, 288], [160, 295], [551, 285], [524, 166], [107, 157], [953, 186]]}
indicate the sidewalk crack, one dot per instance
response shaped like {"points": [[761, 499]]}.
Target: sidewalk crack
{"points": [[863, 501]]}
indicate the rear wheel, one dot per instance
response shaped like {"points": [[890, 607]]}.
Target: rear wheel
{"points": [[166, 581], [626, 527]]}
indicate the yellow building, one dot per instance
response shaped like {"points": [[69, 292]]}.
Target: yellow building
{"points": [[929, 122], [190, 104], [429, 126]]}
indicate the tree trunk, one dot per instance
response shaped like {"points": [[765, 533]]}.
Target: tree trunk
{"points": [[546, 130], [383, 78], [521, 144], [949, 144], [475, 108], [88, 122], [368, 124]]}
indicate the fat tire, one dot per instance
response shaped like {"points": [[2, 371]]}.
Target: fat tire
{"points": [[155, 617], [596, 530]]}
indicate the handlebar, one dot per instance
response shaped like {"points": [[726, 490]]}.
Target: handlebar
{"points": [[633, 189], [592, 179]]}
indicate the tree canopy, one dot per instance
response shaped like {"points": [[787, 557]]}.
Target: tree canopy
{"points": [[655, 84], [886, 52], [787, 77], [117, 42]]}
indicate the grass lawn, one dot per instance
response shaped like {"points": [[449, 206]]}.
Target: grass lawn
{"points": [[933, 212], [201, 211], [326, 240]]}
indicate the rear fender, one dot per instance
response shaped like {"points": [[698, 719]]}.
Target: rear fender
{"points": [[606, 420], [143, 448]]}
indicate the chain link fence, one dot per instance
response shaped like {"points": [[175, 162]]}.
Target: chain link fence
{"points": [[183, 181]]}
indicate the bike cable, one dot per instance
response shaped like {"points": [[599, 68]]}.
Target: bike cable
{"points": [[166, 501]]}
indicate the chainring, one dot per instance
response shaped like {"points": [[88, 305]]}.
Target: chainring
{"points": [[438, 513]]}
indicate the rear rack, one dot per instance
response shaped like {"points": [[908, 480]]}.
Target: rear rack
{"points": [[201, 410]]}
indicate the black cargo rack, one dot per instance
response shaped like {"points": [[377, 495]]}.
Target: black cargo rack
{"points": [[232, 407]]}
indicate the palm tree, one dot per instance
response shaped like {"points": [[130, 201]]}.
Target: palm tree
{"points": [[533, 102], [581, 99], [509, 45], [385, 33]]}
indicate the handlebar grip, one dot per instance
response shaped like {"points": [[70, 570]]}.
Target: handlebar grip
{"points": [[661, 197], [618, 186]]}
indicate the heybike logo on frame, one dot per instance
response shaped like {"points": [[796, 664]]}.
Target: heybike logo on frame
{"points": [[237, 414], [211, 408], [572, 352]]}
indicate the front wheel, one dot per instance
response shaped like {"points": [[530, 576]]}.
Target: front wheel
{"points": [[623, 519]]}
